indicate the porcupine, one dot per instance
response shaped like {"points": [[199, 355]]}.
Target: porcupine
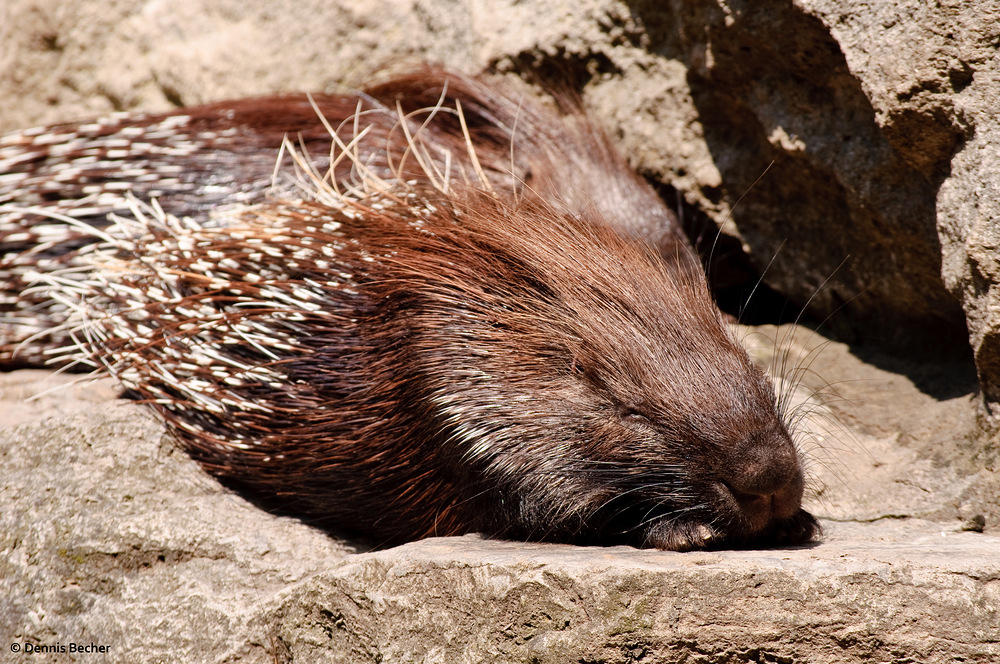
{"points": [[475, 318]]}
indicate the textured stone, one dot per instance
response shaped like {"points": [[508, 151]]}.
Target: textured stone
{"points": [[870, 593], [848, 150], [112, 536]]}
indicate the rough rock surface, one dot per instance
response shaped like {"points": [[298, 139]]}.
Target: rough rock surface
{"points": [[852, 149], [112, 537]]}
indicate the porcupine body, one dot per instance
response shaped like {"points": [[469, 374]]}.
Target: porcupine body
{"points": [[460, 324]]}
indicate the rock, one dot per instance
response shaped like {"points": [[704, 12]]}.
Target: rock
{"points": [[911, 589], [849, 153], [112, 537], [849, 150]]}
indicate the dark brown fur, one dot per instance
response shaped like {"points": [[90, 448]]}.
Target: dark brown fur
{"points": [[509, 357]]}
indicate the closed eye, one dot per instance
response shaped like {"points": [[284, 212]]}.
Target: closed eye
{"points": [[633, 416]]}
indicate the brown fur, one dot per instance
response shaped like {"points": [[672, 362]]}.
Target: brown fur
{"points": [[508, 356]]}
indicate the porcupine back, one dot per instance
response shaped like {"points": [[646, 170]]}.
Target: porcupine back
{"points": [[425, 346], [207, 158]]}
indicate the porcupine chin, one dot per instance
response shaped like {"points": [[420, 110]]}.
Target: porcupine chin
{"points": [[426, 345]]}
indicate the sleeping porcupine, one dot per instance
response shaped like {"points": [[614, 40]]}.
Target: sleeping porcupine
{"points": [[457, 311]]}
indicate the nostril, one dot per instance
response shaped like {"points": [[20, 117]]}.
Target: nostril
{"points": [[753, 501], [757, 506], [757, 482], [782, 502]]}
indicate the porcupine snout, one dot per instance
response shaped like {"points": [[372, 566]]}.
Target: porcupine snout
{"points": [[764, 476]]}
